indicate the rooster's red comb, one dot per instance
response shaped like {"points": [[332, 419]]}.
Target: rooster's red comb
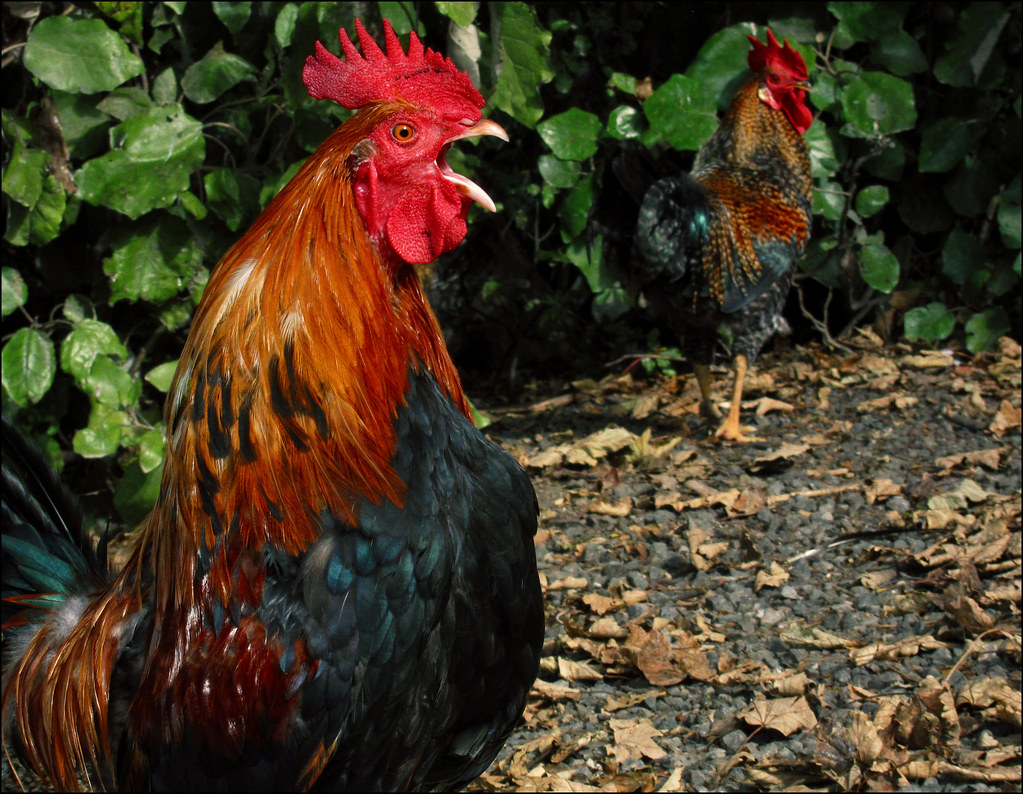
{"points": [[773, 54], [422, 77]]}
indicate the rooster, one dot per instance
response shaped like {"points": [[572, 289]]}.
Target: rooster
{"points": [[337, 586], [718, 245]]}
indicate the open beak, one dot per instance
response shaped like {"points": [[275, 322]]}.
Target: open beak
{"points": [[466, 186]]}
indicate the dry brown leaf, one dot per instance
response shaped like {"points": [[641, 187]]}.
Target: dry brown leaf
{"points": [[572, 670], [553, 691], [620, 508], [767, 404], [646, 403], [989, 458], [788, 683], [707, 632], [775, 577], [552, 456], [597, 445], [630, 597], [996, 697], [875, 580], [880, 489], [629, 699], [866, 738], [909, 646], [606, 628], [1006, 418], [785, 715], [635, 739], [797, 634], [674, 781], [937, 698], [601, 604], [568, 583], [786, 451], [898, 400], [966, 612], [928, 359]]}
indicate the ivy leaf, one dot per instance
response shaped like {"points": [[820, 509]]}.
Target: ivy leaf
{"points": [[824, 161], [110, 385], [985, 328], [136, 492], [879, 267], [15, 291], [865, 21], [162, 375], [575, 209], [877, 103], [29, 365], [233, 196], [79, 55], [625, 122], [103, 435], [82, 123], [899, 53], [571, 135], [88, 340], [215, 73], [1009, 214], [961, 256], [558, 173], [681, 113], [932, 322], [284, 25], [233, 15], [157, 151], [871, 200], [720, 64], [151, 447], [944, 144], [463, 14], [152, 260], [524, 63], [980, 27]]}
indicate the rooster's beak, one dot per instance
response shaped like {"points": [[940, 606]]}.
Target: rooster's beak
{"points": [[466, 186]]}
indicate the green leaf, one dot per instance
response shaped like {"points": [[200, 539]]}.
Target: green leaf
{"points": [[720, 64], [1008, 215], [137, 492], [217, 72], [23, 179], [944, 144], [151, 447], [233, 196], [681, 113], [79, 55], [624, 122], [110, 385], [932, 322], [234, 15], [973, 185], [829, 201], [29, 365], [87, 340], [284, 25], [103, 435], [82, 124], [966, 57], [165, 87], [162, 375], [877, 103], [463, 14], [879, 267], [157, 153], [571, 135], [126, 103], [558, 173], [865, 21], [871, 200], [15, 291], [152, 260], [824, 162], [46, 216], [78, 308], [899, 53], [985, 328], [961, 256], [575, 209], [523, 55], [623, 82]]}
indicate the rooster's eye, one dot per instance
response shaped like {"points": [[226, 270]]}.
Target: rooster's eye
{"points": [[403, 133]]}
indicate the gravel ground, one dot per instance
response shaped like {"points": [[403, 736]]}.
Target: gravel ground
{"points": [[834, 607]]}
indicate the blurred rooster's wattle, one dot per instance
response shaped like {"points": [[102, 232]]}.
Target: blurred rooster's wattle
{"points": [[337, 587], [717, 246]]}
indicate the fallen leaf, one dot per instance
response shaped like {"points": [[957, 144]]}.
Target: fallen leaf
{"points": [[601, 604], [899, 401], [866, 738], [606, 628], [775, 577], [620, 508], [597, 445], [880, 489], [572, 670], [928, 359], [629, 699], [799, 635], [635, 739], [785, 715], [909, 646], [568, 583], [1006, 418], [767, 404], [554, 691], [989, 458]]}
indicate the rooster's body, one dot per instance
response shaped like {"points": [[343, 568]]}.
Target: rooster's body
{"points": [[337, 587], [718, 245]]}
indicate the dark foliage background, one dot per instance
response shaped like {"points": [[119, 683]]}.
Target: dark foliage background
{"points": [[141, 139]]}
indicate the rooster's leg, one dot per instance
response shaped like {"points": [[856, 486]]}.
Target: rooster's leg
{"points": [[707, 408], [730, 429]]}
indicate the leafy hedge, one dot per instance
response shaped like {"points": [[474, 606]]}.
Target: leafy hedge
{"points": [[141, 139]]}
